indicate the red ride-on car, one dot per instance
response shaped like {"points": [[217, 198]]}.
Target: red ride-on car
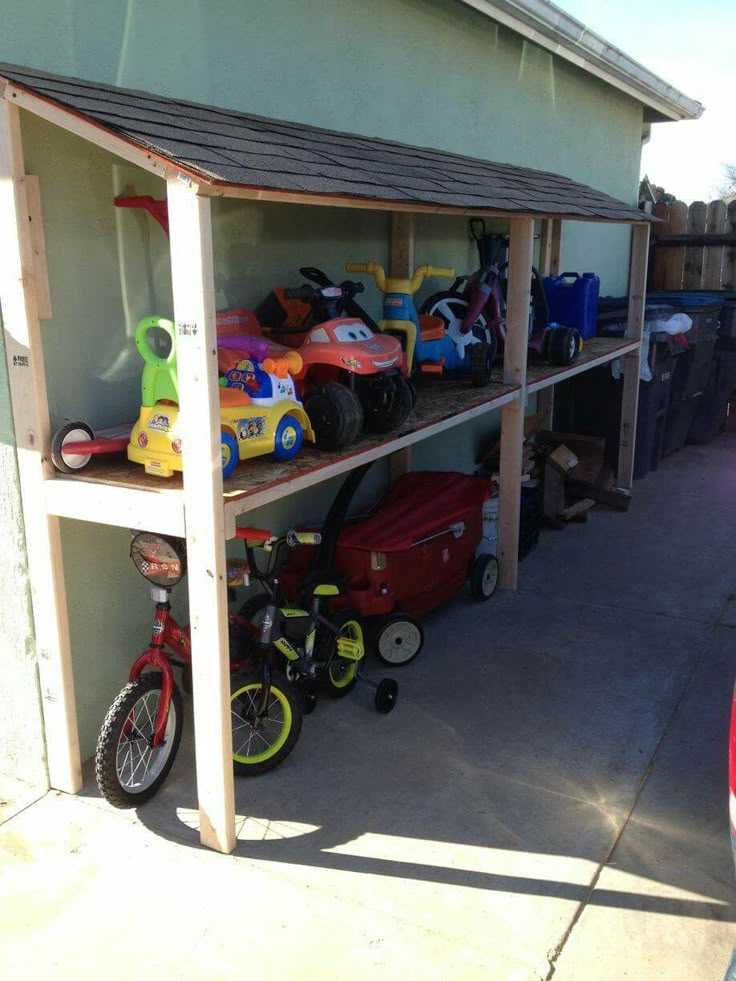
{"points": [[352, 377]]}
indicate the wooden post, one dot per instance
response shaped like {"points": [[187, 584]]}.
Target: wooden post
{"points": [[635, 325], [521, 244], [549, 265], [402, 266], [194, 308], [550, 247], [402, 244], [24, 352], [728, 281], [675, 255]]}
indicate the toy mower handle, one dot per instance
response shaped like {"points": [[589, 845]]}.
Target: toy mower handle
{"points": [[374, 269], [253, 534]]}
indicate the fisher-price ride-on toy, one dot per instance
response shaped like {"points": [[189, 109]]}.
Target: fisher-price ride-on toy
{"points": [[352, 378], [432, 346], [259, 412]]}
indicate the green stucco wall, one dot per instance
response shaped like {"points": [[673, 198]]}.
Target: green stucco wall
{"points": [[429, 72]]}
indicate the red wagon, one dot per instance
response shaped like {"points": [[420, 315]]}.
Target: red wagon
{"points": [[413, 554]]}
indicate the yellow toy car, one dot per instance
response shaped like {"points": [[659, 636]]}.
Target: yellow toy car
{"points": [[259, 409]]}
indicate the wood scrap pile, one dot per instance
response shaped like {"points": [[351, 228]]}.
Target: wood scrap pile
{"points": [[576, 477]]}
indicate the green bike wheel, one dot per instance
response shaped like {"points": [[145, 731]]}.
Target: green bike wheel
{"points": [[263, 739], [341, 673]]}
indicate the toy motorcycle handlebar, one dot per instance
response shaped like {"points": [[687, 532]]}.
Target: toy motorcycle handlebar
{"points": [[308, 294], [376, 270]]}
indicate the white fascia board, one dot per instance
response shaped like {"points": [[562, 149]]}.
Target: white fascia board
{"points": [[551, 28]]}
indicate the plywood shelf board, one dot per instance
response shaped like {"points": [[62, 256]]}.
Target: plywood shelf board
{"points": [[597, 351]]}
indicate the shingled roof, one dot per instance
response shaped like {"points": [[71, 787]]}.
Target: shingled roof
{"points": [[226, 148]]}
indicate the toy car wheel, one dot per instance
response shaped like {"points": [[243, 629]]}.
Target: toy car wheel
{"points": [[387, 401], [397, 638], [71, 432], [386, 694], [336, 415], [288, 438], [562, 345], [481, 363], [484, 577], [229, 452]]}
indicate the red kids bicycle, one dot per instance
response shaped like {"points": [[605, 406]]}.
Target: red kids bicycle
{"points": [[141, 732]]}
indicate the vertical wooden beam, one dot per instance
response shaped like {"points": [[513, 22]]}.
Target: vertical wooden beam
{"points": [[728, 279], [24, 352], [402, 244], [38, 242], [521, 244], [402, 266], [194, 307], [630, 397], [692, 277], [550, 247], [549, 265]]}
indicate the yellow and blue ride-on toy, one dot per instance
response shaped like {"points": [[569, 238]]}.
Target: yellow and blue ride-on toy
{"points": [[259, 412]]}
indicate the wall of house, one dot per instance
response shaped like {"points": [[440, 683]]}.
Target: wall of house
{"points": [[423, 71]]}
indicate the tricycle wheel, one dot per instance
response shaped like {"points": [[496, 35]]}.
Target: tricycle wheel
{"points": [[288, 438], [386, 694], [128, 767], [387, 401], [71, 432], [562, 345], [397, 638], [481, 363], [484, 577], [229, 452], [336, 415]]}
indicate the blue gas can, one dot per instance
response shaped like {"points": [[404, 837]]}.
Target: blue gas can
{"points": [[573, 300]]}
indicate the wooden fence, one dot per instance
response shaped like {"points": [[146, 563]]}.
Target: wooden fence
{"points": [[694, 248]]}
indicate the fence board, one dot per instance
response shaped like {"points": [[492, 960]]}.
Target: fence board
{"points": [[659, 265], [676, 254], [728, 279], [693, 266], [715, 224]]}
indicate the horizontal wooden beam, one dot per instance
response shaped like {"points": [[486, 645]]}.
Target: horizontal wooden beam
{"points": [[693, 238], [121, 507]]}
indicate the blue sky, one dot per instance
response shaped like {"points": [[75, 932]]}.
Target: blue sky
{"points": [[692, 45]]}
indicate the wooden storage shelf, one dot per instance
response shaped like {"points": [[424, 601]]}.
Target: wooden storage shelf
{"points": [[596, 351], [113, 491]]}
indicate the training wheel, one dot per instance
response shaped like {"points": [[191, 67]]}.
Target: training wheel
{"points": [[310, 699], [386, 694]]}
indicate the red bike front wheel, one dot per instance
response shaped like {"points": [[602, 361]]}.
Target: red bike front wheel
{"points": [[128, 767]]}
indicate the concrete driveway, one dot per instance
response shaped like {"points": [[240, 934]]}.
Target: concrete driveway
{"points": [[549, 797]]}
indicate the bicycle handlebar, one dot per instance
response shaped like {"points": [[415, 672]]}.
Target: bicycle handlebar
{"points": [[253, 534]]}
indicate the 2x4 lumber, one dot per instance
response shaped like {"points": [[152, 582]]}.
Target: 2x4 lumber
{"points": [[549, 265], [38, 243], [521, 244], [402, 266], [24, 352], [635, 326], [190, 223], [550, 247], [121, 507]]}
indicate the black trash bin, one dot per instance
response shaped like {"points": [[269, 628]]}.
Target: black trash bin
{"points": [[590, 403], [710, 417], [693, 368]]}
